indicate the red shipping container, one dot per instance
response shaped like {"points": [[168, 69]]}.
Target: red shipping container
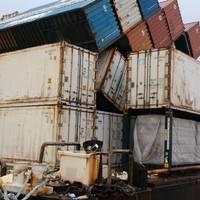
{"points": [[173, 16], [139, 38], [193, 33], [159, 30]]}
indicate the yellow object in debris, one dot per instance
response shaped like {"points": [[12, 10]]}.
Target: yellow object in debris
{"points": [[1, 183]]}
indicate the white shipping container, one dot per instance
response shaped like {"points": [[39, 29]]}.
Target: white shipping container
{"points": [[111, 77], [109, 129], [163, 78], [55, 72], [25, 129], [128, 13]]}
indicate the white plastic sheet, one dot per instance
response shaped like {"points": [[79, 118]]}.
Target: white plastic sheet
{"points": [[149, 140]]}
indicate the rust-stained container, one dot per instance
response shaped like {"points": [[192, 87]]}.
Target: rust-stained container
{"points": [[159, 30], [128, 13], [48, 73], [139, 38], [111, 77], [173, 16], [193, 33], [163, 78]]}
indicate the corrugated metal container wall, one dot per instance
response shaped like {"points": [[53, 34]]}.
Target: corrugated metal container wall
{"points": [[111, 76], [109, 129], [59, 72], [159, 30], [94, 20], [25, 129], [193, 32], [173, 16], [139, 38], [128, 13], [148, 7], [103, 23], [163, 78]]}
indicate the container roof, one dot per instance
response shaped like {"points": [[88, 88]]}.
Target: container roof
{"points": [[41, 12], [188, 26], [163, 4]]}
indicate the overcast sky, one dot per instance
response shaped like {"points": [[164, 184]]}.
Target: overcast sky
{"points": [[189, 8]]}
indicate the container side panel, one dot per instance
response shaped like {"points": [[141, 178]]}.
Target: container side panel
{"points": [[159, 30], [30, 75], [128, 13], [185, 74], [24, 130], [139, 38], [174, 18], [103, 23], [109, 127], [149, 7]]}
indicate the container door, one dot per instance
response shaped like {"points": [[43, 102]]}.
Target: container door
{"points": [[148, 79], [77, 125], [79, 76]]}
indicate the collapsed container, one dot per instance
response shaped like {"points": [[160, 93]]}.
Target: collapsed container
{"points": [[128, 13], [24, 129], [173, 16], [139, 38], [159, 30], [57, 72], [192, 31], [163, 78], [148, 7], [93, 20], [153, 140], [111, 77]]}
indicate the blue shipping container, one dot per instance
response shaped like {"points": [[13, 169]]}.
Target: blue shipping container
{"points": [[148, 7], [89, 23]]}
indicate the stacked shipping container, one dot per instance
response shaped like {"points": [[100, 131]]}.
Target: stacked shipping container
{"points": [[53, 97]]}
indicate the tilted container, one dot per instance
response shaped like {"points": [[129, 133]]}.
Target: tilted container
{"points": [[49, 73], [192, 31], [163, 78], [111, 77], [173, 16], [128, 13], [159, 30], [148, 7], [139, 38], [91, 24]]}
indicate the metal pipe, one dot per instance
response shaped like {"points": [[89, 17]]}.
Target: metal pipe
{"points": [[160, 171], [44, 145], [35, 189]]}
